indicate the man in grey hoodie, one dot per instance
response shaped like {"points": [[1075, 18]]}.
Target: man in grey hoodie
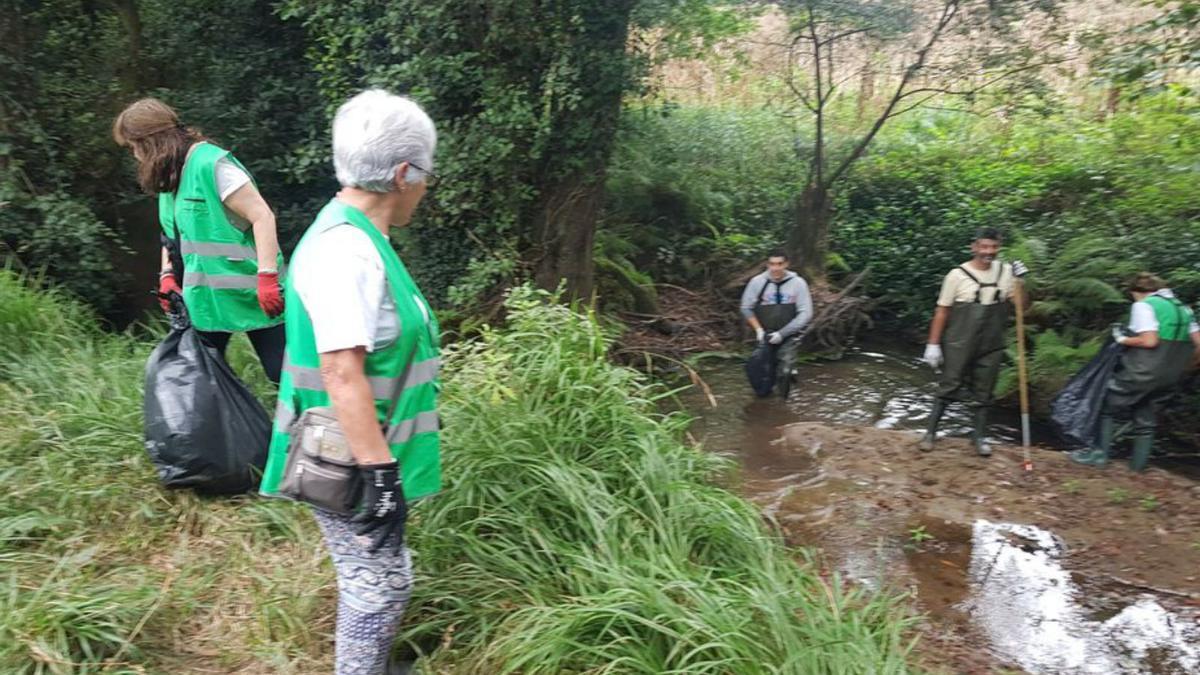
{"points": [[777, 305]]}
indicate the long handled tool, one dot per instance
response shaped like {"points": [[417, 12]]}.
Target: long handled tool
{"points": [[1022, 377]]}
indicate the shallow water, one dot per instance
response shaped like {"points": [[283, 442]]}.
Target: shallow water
{"points": [[882, 385], [1002, 587]]}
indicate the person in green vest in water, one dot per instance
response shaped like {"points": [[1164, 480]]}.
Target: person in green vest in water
{"points": [[777, 305], [362, 339], [967, 335], [1162, 343], [220, 251]]}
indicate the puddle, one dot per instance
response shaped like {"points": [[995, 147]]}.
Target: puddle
{"points": [[1035, 615]]}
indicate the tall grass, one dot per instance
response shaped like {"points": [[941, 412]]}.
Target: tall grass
{"points": [[577, 533]]}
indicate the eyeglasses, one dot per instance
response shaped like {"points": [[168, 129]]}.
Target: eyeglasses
{"points": [[431, 178]]}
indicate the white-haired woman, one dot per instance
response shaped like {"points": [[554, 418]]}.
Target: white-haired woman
{"points": [[362, 339]]}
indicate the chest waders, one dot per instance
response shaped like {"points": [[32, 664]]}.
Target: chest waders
{"points": [[1145, 379], [413, 430], [973, 348], [220, 263], [772, 318]]}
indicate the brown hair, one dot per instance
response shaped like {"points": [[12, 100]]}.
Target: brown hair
{"points": [[1146, 282], [161, 139]]}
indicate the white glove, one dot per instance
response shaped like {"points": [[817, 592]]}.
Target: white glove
{"points": [[933, 355], [758, 334], [1019, 269], [1118, 334], [775, 338]]}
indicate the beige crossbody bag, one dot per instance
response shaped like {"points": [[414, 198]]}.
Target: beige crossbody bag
{"points": [[320, 468]]}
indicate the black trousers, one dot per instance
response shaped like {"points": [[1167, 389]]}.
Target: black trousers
{"points": [[268, 344]]}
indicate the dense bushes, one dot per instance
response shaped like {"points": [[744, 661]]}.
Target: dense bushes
{"points": [[577, 532]]}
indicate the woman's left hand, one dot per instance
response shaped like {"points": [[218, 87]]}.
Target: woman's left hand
{"points": [[270, 295], [384, 511]]}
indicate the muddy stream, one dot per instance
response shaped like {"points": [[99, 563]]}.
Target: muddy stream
{"points": [[1065, 570]]}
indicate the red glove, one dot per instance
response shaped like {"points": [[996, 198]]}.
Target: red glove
{"points": [[166, 286], [270, 295]]}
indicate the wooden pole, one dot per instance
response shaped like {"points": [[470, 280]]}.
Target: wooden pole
{"points": [[1022, 376]]}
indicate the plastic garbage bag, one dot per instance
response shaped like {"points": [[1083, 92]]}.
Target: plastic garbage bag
{"points": [[204, 429], [760, 369], [1076, 409]]}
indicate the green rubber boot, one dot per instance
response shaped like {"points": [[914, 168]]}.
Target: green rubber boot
{"points": [[1141, 452], [1097, 456], [979, 435], [935, 417]]}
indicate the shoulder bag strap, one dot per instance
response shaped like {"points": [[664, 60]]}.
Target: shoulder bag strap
{"points": [[758, 300]]}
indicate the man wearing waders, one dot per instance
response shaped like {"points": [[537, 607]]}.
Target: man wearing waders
{"points": [[967, 335], [777, 305], [1164, 345]]}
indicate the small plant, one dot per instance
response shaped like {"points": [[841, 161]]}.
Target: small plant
{"points": [[918, 535], [1149, 503], [1196, 545], [1072, 487], [1118, 495]]}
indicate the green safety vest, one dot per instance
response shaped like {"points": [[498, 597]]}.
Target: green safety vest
{"points": [[1174, 318], [220, 263], [413, 429]]}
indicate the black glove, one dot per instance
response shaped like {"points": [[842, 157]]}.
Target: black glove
{"points": [[384, 510]]}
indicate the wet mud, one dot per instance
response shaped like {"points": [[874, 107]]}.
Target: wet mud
{"points": [[1065, 569]]}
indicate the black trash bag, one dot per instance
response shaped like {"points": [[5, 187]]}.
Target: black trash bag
{"points": [[1076, 409], [204, 429], [760, 369]]}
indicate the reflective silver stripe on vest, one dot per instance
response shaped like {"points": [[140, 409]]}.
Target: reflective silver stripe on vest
{"points": [[220, 280], [403, 431], [284, 415], [227, 250], [382, 388]]}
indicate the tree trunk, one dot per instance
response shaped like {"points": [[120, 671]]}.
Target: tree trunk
{"points": [[809, 240], [567, 224], [564, 221], [866, 87]]}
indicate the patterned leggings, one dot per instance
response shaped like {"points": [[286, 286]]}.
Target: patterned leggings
{"points": [[373, 590]]}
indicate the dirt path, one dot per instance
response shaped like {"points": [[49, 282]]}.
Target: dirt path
{"points": [[883, 513]]}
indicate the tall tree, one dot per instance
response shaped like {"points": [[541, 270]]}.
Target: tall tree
{"points": [[938, 50], [526, 95]]}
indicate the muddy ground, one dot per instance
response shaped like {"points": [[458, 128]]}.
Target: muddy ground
{"points": [[886, 515]]}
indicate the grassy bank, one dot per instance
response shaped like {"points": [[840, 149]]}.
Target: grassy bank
{"points": [[578, 533]]}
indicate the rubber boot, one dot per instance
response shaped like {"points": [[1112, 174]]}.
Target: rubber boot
{"points": [[935, 417], [979, 435], [1141, 452], [1097, 456]]}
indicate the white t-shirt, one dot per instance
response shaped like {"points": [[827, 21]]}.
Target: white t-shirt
{"points": [[1142, 317], [230, 178], [958, 287], [341, 281]]}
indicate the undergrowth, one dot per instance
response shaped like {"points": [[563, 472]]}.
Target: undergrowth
{"points": [[577, 532]]}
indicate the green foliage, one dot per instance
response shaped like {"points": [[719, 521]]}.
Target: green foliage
{"points": [[582, 535], [918, 535], [69, 204], [694, 191], [526, 96], [1086, 204]]}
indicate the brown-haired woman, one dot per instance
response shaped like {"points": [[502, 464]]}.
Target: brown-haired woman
{"points": [[220, 252], [1162, 342]]}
